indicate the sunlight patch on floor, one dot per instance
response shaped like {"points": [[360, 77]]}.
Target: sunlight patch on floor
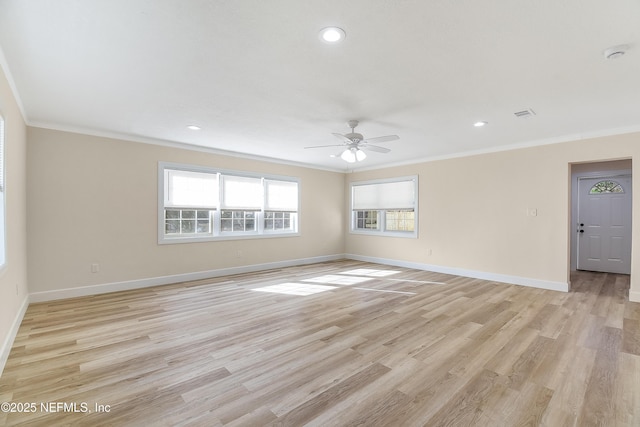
{"points": [[295, 289], [338, 280], [370, 272]]}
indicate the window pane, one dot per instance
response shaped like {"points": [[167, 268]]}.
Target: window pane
{"points": [[182, 221], [280, 221], [172, 213], [203, 226], [399, 220], [226, 225], [238, 220], [188, 226], [172, 226], [367, 220], [604, 187]]}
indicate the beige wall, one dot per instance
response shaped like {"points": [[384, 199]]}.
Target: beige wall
{"points": [[473, 211], [13, 276], [94, 200]]}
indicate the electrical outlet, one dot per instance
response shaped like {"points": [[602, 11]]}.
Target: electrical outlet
{"points": [[95, 268]]}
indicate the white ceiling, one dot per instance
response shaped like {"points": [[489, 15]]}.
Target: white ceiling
{"points": [[257, 79]]}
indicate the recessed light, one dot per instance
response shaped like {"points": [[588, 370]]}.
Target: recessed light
{"points": [[193, 127], [332, 35], [480, 124]]}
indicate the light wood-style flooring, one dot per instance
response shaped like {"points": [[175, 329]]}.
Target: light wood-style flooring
{"points": [[334, 344]]}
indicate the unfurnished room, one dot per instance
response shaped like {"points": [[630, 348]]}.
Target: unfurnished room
{"points": [[296, 213]]}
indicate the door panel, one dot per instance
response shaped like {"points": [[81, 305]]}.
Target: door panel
{"points": [[604, 224]]}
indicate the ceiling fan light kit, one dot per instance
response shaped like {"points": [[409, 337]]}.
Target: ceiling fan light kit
{"points": [[352, 155]]}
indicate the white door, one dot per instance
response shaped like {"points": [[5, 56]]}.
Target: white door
{"points": [[604, 224]]}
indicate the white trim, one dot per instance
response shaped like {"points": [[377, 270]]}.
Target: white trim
{"points": [[120, 136], [5, 349], [201, 148], [508, 147], [166, 280], [634, 296], [12, 84], [494, 277]]}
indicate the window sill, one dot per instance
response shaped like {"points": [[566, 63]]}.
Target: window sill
{"points": [[405, 235], [223, 237]]}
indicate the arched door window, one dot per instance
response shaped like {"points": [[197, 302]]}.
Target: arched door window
{"points": [[606, 187]]}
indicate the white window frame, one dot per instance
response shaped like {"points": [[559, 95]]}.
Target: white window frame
{"points": [[217, 233], [381, 230]]}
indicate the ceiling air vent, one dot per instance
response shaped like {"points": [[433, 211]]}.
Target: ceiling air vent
{"points": [[524, 114]]}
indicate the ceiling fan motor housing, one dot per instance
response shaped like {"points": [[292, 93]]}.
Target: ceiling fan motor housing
{"points": [[355, 137]]}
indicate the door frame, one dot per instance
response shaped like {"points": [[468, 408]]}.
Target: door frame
{"points": [[606, 172]]}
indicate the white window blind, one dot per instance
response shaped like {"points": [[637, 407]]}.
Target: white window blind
{"points": [[239, 192], [190, 189], [281, 195], [387, 195]]}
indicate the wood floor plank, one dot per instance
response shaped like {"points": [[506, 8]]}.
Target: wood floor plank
{"points": [[631, 336], [379, 346]]}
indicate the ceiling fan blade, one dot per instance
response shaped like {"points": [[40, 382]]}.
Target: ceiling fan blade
{"points": [[374, 148], [342, 138], [379, 139], [323, 146]]}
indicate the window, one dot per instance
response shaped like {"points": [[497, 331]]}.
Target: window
{"points": [[366, 220], [190, 198], [281, 206], [399, 220], [605, 187], [385, 207], [2, 197], [205, 204]]}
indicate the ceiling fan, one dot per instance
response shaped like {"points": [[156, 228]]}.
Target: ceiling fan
{"points": [[354, 143]]}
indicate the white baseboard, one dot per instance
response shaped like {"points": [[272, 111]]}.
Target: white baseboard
{"points": [[11, 336], [166, 280], [634, 296], [494, 277]]}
